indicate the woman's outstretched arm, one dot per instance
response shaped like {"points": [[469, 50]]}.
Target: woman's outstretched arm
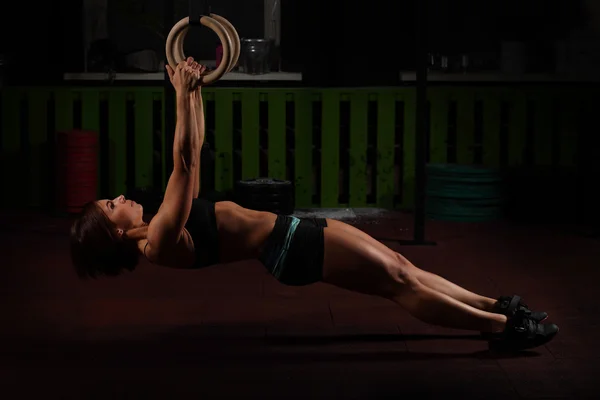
{"points": [[198, 106], [166, 227]]}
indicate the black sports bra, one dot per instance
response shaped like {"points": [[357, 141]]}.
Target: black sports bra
{"points": [[202, 226]]}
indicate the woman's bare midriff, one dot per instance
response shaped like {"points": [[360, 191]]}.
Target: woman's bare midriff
{"points": [[242, 232]]}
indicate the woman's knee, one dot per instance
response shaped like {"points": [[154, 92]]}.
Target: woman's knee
{"points": [[404, 269], [403, 277], [414, 271]]}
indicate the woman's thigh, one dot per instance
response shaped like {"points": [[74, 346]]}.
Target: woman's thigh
{"points": [[353, 263], [335, 224]]}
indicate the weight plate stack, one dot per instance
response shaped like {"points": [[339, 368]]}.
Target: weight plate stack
{"points": [[464, 193], [266, 194]]}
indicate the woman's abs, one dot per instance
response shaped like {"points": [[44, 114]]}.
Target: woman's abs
{"points": [[242, 232]]}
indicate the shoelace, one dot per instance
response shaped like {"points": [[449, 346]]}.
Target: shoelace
{"points": [[523, 323], [520, 307]]}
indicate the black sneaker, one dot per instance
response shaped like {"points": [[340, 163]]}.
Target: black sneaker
{"points": [[509, 305], [522, 333]]}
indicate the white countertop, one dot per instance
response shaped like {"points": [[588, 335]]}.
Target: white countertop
{"points": [[159, 76], [408, 76], [491, 77]]}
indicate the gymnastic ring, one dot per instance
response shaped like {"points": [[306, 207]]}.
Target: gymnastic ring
{"points": [[174, 46], [235, 40]]}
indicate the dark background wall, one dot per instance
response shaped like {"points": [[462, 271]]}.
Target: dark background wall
{"points": [[135, 33], [40, 41], [330, 41]]}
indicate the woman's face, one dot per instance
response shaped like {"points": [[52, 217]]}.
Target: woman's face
{"points": [[125, 214]]}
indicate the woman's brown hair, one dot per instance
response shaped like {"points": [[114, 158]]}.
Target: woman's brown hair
{"points": [[97, 249]]}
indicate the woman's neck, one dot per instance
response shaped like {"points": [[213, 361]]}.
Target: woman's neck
{"points": [[138, 233]]}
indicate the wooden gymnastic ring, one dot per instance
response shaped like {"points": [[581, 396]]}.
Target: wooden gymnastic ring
{"points": [[174, 46], [235, 40]]}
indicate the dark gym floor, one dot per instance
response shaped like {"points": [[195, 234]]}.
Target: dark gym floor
{"points": [[233, 332]]}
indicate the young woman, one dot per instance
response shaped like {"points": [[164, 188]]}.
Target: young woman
{"points": [[188, 232]]}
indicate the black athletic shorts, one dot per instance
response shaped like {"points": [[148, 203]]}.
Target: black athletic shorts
{"points": [[294, 250]]}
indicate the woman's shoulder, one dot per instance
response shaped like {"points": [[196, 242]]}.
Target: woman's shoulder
{"points": [[179, 256]]}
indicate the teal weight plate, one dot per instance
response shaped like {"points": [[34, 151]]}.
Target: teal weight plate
{"points": [[460, 191], [461, 170], [464, 203]]}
